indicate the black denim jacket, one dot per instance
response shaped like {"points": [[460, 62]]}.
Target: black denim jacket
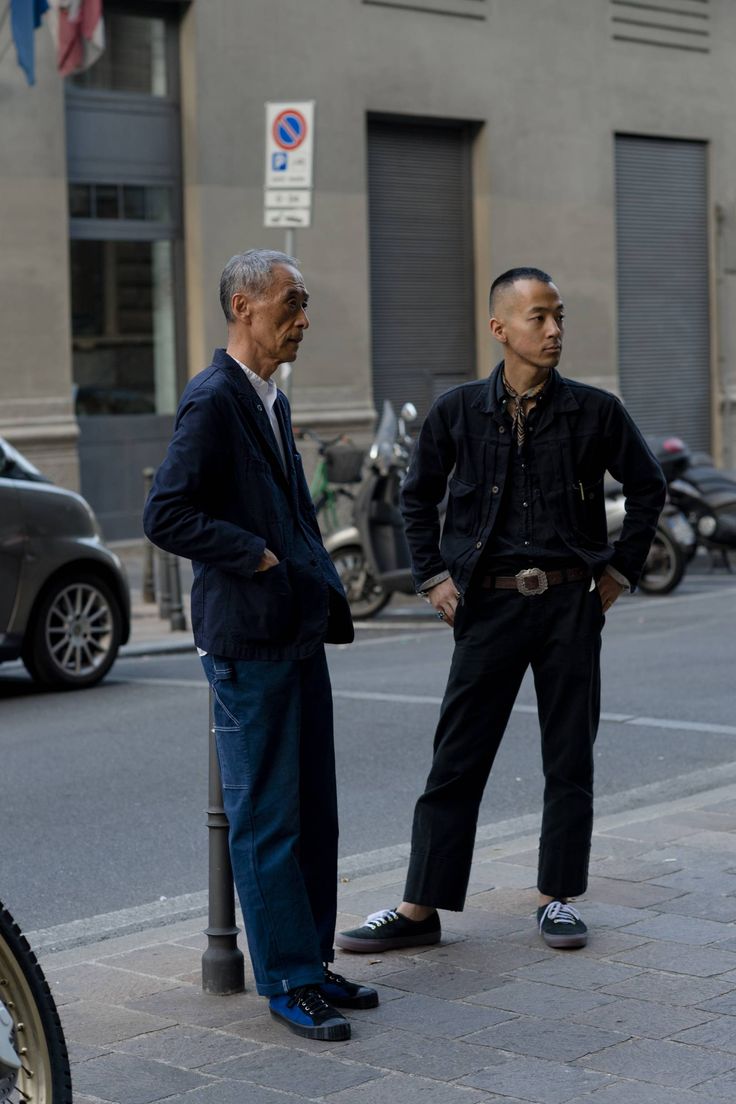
{"points": [[580, 433]]}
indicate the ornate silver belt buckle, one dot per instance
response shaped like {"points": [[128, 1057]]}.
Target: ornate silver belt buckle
{"points": [[532, 580]]}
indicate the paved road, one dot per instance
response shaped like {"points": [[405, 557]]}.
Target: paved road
{"points": [[104, 791]]}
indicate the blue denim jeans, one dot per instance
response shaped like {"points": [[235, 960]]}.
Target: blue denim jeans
{"points": [[273, 726]]}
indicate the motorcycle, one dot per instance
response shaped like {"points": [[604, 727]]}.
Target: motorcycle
{"points": [[673, 544], [372, 555], [34, 1062], [705, 495]]}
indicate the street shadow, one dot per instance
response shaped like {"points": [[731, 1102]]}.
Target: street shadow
{"points": [[18, 686]]}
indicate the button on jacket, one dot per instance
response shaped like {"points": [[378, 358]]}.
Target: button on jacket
{"points": [[221, 496], [580, 432]]}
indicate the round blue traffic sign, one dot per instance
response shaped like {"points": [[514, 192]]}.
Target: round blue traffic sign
{"points": [[289, 129]]}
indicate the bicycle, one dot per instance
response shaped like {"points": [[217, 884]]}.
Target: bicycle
{"points": [[340, 463]]}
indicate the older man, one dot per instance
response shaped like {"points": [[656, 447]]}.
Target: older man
{"points": [[231, 496]]}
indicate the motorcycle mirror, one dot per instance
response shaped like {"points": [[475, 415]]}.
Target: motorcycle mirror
{"points": [[409, 412]]}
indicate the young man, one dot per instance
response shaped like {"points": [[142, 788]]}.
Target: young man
{"points": [[232, 497], [524, 572]]}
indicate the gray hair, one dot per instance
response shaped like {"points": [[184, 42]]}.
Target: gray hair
{"points": [[252, 273]]}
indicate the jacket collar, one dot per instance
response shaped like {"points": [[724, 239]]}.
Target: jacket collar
{"points": [[561, 398]]}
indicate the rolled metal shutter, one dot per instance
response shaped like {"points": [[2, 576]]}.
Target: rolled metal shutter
{"points": [[663, 299], [421, 254]]}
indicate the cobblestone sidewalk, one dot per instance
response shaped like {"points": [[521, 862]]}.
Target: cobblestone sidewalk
{"points": [[646, 1014]]}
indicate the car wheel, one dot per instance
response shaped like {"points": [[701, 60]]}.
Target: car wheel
{"points": [[75, 633]]}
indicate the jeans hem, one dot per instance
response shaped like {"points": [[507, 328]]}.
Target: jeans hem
{"points": [[278, 988]]}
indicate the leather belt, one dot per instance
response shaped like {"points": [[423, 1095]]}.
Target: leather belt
{"points": [[532, 580]]}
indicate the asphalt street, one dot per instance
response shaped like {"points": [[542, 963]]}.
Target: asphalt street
{"points": [[104, 791]]}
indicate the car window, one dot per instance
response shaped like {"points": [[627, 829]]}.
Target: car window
{"points": [[13, 465]]}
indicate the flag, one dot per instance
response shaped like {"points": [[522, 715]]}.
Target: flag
{"points": [[79, 32], [25, 17]]}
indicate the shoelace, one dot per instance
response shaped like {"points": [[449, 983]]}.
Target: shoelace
{"points": [[309, 1000], [559, 913], [334, 979], [377, 919]]}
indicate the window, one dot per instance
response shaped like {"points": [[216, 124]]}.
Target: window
{"points": [[135, 57], [123, 336], [134, 202]]}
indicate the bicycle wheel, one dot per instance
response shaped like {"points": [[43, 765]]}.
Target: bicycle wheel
{"points": [[36, 1033]]}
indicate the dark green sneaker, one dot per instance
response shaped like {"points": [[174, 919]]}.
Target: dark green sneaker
{"points": [[388, 930], [560, 925]]}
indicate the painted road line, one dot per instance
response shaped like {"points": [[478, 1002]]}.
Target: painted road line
{"points": [[430, 699]]}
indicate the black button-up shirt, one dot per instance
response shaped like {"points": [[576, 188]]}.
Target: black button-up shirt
{"points": [[524, 535]]}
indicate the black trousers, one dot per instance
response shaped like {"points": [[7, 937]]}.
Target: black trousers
{"points": [[498, 634]]}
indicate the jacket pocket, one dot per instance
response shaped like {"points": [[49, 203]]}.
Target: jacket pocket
{"points": [[589, 510], [261, 608], [462, 505]]}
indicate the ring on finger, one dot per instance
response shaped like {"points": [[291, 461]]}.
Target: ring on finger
{"points": [[441, 614]]}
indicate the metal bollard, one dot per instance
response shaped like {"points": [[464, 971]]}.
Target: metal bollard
{"points": [[164, 584], [223, 968], [176, 609], [147, 587]]}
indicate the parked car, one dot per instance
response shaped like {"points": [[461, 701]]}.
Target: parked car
{"points": [[64, 598]]}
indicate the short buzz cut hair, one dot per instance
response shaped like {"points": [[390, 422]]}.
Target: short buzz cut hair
{"points": [[512, 276], [250, 272]]}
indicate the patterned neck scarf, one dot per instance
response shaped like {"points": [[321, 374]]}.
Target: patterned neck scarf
{"points": [[515, 408]]}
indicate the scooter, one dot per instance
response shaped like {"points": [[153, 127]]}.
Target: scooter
{"points": [[673, 544], [705, 494], [34, 1062], [372, 555]]}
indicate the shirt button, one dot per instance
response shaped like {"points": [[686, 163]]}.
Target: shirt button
{"points": [[479, 544], [259, 407], [501, 429], [526, 542], [494, 489], [525, 504]]}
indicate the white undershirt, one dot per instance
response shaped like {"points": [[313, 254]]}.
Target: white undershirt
{"points": [[267, 391]]}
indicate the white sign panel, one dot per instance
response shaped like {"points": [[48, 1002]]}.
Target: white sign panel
{"points": [[275, 197], [288, 218], [289, 144]]}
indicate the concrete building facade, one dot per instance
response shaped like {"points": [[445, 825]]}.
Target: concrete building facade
{"points": [[453, 139]]}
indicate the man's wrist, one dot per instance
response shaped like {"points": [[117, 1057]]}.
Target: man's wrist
{"points": [[622, 581], [428, 584]]}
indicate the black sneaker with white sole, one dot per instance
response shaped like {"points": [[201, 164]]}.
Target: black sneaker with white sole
{"points": [[561, 926], [389, 930], [337, 990]]}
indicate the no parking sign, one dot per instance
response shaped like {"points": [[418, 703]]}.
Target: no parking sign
{"points": [[289, 144]]}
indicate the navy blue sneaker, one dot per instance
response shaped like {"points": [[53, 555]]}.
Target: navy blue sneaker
{"points": [[306, 1012], [347, 994]]}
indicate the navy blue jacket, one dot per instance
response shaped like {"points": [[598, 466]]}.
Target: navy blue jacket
{"points": [[580, 433], [220, 498]]}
